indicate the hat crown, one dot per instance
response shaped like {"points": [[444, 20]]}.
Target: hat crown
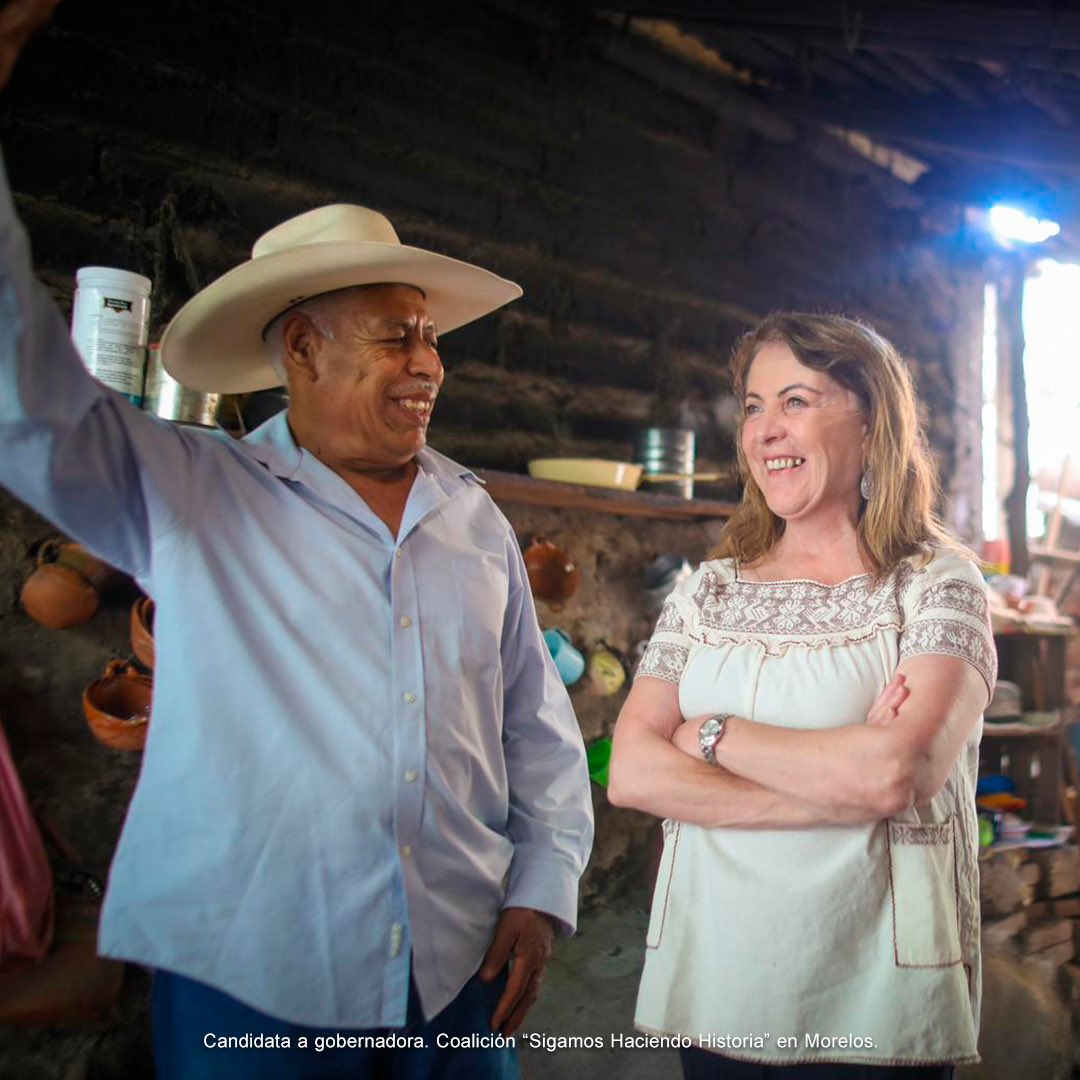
{"points": [[341, 223]]}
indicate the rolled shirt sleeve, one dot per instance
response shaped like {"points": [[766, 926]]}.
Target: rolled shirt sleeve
{"points": [[550, 817]]}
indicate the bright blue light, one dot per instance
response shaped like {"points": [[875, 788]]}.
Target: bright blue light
{"points": [[1009, 224]]}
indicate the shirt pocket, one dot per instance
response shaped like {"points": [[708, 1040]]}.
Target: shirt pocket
{"points": [[662, 892], [922, 871], [481, 584]]}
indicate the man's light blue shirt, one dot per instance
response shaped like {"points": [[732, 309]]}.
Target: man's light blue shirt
{"points": [[360, 750]]}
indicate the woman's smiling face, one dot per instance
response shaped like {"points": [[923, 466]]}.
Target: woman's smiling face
{"points": [[803, 437]]}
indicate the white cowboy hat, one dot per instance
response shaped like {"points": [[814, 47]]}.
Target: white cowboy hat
{"points": [[214, 342]]}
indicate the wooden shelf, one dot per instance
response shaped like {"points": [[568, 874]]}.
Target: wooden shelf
{"points": [[1065, 558], [1022, 731], [1024, 629], [516, 488]]}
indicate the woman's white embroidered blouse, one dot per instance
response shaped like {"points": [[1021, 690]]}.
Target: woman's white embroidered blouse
{"points": [[855, 943]]}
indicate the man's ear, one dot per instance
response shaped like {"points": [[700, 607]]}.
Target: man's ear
{"points": [[300, 340]]}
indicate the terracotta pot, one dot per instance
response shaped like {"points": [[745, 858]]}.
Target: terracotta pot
{"points": [[58, 597], [75, 557], [553, 577], [117, 706], [142, 630]]}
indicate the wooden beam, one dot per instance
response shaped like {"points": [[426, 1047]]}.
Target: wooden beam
{"points": [[1060, 59], [726, 101], [735, 105], [912, 75], [956, 23], [942, 75], [962, 132], [872, 69], [755, 54], [1011, 339]]}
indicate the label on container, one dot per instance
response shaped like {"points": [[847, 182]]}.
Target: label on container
{"points": [[110, 333]]}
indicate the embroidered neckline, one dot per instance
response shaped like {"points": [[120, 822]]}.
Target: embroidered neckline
{"points": [[796, 581], [846, 612]]}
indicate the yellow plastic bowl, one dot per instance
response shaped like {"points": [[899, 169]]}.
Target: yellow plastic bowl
{"points": [[593, 471]]}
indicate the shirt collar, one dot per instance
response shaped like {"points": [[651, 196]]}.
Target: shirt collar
{"points": [[272, 444]]}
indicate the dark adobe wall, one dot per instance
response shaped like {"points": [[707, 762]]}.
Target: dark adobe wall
{"points": [[647, 229]]}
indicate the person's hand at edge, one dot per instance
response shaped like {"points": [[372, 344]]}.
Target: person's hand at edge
{"points": [[526, 939], [18, 21]]}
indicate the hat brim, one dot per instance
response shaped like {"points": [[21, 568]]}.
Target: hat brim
{"points": [[214, 342]]}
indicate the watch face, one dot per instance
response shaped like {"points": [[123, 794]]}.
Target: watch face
{"points": [[710, 729]]}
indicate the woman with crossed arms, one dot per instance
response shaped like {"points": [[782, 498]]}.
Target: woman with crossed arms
{"points": [[807, 718]]}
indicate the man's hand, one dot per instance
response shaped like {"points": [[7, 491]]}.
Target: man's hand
{"points": [[18, 21], [527, 938]]}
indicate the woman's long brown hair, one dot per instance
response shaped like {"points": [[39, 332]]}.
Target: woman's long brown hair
{"points": [[899, 519]]}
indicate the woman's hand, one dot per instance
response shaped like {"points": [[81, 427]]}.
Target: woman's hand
{"points": [[888, 702], [685, 737]]}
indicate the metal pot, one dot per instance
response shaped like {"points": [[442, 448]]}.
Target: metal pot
{"points": [[665, 451], [165, 397]]}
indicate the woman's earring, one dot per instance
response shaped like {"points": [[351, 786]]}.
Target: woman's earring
{"points": [[865, 484]]}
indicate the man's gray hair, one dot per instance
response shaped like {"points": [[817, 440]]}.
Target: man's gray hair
{"points": [[322, 310], [319, 309]]}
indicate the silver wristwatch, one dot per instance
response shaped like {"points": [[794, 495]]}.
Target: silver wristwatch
{"points": [[709, 734]]}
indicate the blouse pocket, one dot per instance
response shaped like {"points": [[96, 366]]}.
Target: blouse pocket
{"points": [[662, 892], [922, 871]]}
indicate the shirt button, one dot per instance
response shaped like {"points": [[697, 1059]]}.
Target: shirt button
{"points": [[410, 776], [397, 554], [405, 621], [408, 697], [407, 850]]}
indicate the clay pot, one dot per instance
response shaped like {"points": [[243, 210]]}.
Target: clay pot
{"points": [[142, 630], [58, 597], [553, 577], [75, 557], [117, 706]]}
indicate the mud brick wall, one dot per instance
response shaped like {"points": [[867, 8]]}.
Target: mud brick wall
{"points": [[648, 229]]}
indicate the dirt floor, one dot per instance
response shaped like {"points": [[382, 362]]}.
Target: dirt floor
{"points": [[590, 991]]}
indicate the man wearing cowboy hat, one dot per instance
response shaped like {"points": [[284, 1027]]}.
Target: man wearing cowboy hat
{"points": [[364, 791]]}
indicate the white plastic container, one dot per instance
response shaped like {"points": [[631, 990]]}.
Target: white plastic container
{"points": [[110, 324]]}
